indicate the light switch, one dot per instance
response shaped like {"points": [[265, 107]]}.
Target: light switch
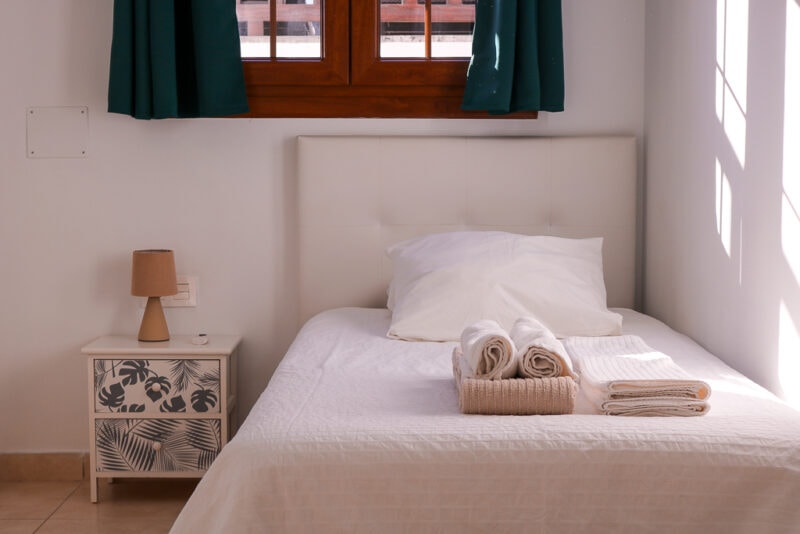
{"points": [[186, 295]]}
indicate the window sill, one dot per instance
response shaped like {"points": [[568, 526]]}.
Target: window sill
{"points": [[275, 101]]}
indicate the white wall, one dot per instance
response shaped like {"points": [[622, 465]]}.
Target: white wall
{"points": [[721, 237], [219, 192]]}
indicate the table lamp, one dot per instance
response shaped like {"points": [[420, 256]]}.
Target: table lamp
{"points": [[153, 276]]}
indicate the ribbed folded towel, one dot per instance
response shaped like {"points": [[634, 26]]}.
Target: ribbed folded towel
{"points": [[539, 353], [622, 375], [488, 350], [512, 396]]}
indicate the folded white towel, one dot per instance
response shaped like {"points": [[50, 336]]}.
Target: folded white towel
{"points": [[622, 375], [539, 353], [488, 350], [600, 402], [656, 407]]}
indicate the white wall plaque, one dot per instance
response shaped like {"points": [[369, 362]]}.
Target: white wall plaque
{"points": [[58, 132]]}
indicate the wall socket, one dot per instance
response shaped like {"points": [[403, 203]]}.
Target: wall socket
{"points": [[186, 297]]}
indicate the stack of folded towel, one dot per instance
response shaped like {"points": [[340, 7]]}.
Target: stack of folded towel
{"points": [[622, 375], [524, 372]]}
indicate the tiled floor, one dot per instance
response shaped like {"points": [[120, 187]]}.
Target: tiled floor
{"points": [[135, 506]]}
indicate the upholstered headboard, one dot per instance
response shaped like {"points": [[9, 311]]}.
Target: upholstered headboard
{"points": [[357, 195]]}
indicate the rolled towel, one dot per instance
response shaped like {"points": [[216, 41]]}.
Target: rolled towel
{"points": [[488, 350], [539, 353]]}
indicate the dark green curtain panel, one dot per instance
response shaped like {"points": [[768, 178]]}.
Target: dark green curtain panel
{"points": [[517, 57], [176, 58]]}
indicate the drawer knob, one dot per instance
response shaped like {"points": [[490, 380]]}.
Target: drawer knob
{"points": [[156, 387], [157, 446]]}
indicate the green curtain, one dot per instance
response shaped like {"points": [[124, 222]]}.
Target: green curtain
{"points": [[517, 57], [176, 58]]}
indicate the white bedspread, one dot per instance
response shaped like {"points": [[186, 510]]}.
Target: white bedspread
{"points": [[360, 433]]}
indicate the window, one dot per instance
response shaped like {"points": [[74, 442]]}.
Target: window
{"points": [[356, 58]]}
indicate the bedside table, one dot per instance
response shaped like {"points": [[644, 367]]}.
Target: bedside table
{"points": [[159, 409]]}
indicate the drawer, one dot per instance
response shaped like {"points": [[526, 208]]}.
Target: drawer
{"points": [[157, 385], [156, 445]]}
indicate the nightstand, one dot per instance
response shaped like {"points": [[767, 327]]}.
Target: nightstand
{"points": [[161, 409]]}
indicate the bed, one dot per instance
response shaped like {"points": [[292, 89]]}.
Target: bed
{"points": [[359, 432]]}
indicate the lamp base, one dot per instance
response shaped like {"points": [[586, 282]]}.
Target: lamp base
{"points": [[154, 324]]}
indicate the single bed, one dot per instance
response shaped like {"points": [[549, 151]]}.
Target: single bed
{"points": [[358, 432]]}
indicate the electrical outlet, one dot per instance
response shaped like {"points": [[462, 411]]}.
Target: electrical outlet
{"points": [[186, 295]]}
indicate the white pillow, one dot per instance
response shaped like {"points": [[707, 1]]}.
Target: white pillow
{"points": [[442, 283]]}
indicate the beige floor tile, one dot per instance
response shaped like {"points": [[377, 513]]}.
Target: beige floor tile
{"points": [[19, 526], [128, 499], [107, 525], [33, 500]]}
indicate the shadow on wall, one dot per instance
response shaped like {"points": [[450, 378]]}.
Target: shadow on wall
{"points": [[757, 188]]}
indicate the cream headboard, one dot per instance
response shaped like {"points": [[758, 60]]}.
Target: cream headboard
{"points": [[357, 195]]}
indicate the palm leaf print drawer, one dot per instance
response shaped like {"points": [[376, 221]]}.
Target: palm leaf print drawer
{"points": [[169, 386], [160, 445], [159, 409]]}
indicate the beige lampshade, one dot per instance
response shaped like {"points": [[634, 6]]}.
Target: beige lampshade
{"points": [[153, 273], [153, 276]]}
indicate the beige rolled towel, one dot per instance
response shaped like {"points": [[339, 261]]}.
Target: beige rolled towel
{"points": [[512, 396], [488, 350], [539, 353]]}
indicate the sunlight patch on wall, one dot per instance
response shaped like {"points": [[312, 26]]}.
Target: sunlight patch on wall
{"points": [[731, 75], [789, 357], [724, 207], [789, 338], [790, 202]]}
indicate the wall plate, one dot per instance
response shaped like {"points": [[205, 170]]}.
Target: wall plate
{"points": [[187, 293], [186, 296], [58, 132]]}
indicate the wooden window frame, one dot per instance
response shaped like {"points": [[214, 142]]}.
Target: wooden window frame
{"points": [[351, 80]]}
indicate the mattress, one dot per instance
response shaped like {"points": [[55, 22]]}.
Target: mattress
{"points": [[357, 432]]}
